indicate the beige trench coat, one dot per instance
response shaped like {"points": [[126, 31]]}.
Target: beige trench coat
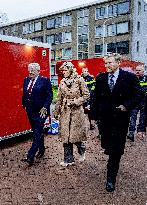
{"points": [[72, 120]]}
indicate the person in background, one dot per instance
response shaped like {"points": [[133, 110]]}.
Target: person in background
{"points": [[141, 127], [90, 82], [72, 94], [116, 93], [36, 100]]}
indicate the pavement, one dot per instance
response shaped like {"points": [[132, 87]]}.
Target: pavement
{"points": [[46, 183]]}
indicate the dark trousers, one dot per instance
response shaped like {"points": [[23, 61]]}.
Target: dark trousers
{"points": [[68, 151], [133, 118], [38, 138], [113, 167]]}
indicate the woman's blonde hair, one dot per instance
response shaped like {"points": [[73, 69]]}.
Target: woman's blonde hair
{"points": [[67, 65]]}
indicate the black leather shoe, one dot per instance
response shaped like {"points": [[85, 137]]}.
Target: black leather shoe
{"points": [[30, 162], [40, 155], [131, 137], [91, 127], [110, 187]]}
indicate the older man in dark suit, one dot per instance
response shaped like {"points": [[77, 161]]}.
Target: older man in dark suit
{"points": [[116, 93], [37, 97]]}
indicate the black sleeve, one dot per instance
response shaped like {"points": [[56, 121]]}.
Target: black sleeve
{"points": [[136, 93], [49, 93]]}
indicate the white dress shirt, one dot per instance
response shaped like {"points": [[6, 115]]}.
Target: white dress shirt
{"points": [[116, 74], [31, 83]]}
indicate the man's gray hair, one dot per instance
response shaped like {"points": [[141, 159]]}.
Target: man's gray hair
{"points": [[34, 65], [117, 56]]}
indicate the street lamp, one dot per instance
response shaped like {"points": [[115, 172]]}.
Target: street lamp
{"points": [[104, 33]]}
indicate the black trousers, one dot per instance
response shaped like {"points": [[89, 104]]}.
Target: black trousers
{"points": [[113, 167], [68, 151], [38, 138]]}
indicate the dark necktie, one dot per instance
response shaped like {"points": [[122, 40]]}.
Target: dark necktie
{"points": [[31, 86], [111, 82]]}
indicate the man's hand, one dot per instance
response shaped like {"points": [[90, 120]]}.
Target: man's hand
{"points": [[141, 135], [43, 112], [122, 108], [87, 107]]}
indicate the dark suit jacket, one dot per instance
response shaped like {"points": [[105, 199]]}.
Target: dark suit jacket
{"points": [[113, 123], [41, 96]]}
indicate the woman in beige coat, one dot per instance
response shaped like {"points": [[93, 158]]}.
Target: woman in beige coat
{"points": [[73, 92]]}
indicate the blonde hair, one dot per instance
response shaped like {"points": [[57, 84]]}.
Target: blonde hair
{"points": [[67, 65]]}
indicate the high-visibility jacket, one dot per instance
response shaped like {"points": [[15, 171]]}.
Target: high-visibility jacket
{"points": [[90, 82], [143, 83]]}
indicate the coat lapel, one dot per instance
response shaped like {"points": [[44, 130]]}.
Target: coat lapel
{"points": [[119, 79]]}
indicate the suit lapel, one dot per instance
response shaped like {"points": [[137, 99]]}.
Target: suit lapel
{"points": [[119, 79], [105, 81]]}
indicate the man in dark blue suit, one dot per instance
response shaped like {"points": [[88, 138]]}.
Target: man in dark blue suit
{"points": [[116, 93], [37, 97]]}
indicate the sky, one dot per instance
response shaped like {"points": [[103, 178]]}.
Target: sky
{"points": [[22, 9]]}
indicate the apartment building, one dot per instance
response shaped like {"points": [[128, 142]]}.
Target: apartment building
{"points": [[89, 30]]}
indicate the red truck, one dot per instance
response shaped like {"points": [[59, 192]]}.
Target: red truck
{"points": [[15, 55], [95, 66]]}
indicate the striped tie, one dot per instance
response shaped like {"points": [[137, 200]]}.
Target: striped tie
{"points": [[111, 82], [30, 87]]}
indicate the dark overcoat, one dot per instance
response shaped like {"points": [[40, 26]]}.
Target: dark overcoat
{"points": [[40, 97], [113, 123]]}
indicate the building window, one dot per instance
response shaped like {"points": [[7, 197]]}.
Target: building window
{"points": [[1, 31], [122, 47], [123, 8], [139, 7], [111, 48], [58, 38], [66, 37], [82, 30], [52, 55], [138, 27], [13, 29], [66, 53], [112, 10], [83, 47], [53, 70], [51, 23], [98, 31], [80, 14], [122, 28], [58, 54], [137, 47], [82, 55], [51, 39], [83, 13], [118, 47], [100, 12], [38, 39], [67, 20], [28, 28], [83, 39], [98, 49], [83, 21], [54, 80], [146, 50], [38, 26], [111, 30], [86, 12], [58, 22], [85, 30]]}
